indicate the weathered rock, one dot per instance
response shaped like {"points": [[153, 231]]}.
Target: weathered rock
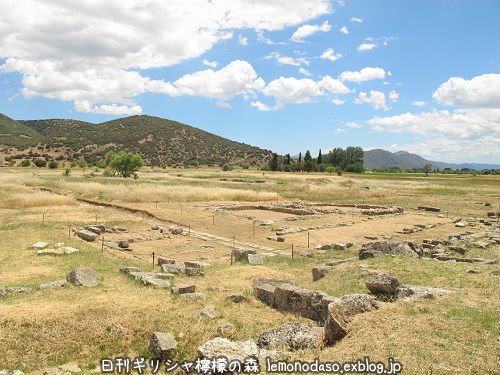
{"points": [[154, 281], [93, 228], [226, 328], [185, 288], [123, 244], [336, 324], [374, 249], [164, 260], [241, 255], [193, 264], [266, 223], [280, 239], [460, 224], [175, 229], [382, 283], [14, 290], [129, 270], [320, 272], [457, 249], [472, 271], [237, 298], [323, 247], [342, 245], [293, 299], [233, 351], [194, 296], [255, 259], [428, 208], [54, 284], [39, 245], [194, 271], [162, 344], [83, 276], [209, 313], [86, 235], [353, 304], [172, 268], [292, 336]]}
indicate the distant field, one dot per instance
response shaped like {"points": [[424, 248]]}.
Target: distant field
{"points": [[456, 334]]}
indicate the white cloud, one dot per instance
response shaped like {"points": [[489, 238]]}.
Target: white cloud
{"points": [[330, 54], [95, 51], [242, 40], [305, 31], [372, 43], [333, 86], [344, 30], [480, 91], [305, 72], [365, 74], [212, 64], [419, 103], [286, 60], [366, 46], [107, 109], [339, 130], [394, 96], [356, 20], [338, 101], [298, 91], [375, 98], [353, 125], [236, 78]]}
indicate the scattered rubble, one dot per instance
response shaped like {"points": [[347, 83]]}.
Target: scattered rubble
{"points": [[83, 276], [162, 345]]}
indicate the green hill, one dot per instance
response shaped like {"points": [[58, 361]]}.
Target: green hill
{"points": [[16, 134], [159, 141]]}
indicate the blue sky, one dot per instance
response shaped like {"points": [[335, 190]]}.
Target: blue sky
{"points": [[421, 76]]}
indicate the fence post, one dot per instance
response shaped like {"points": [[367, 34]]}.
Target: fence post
{"points": [[292, 251], [231, 256], [69, 231], [43, 218], [308, 239], [102, 245], [153, 260]]}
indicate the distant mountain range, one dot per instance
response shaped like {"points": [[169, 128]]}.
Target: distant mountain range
{"points": [[159, 141], [381, 159]]}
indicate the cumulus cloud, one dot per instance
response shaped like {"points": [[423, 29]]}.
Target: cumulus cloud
{"points": [[242, 40], [338, 101], [339, 131], [344, 30], [298, 91], [356, 20], [480, 91], [419, 103], [375, 98], [95, 51], [236, 78], [330, 54], [394, 96], [305, 72], [287, 60], [353, 125], [305, 31], [372, 43], [212, 64], [366, 46], [365, 74]]}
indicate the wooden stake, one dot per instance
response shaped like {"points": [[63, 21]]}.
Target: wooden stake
{"points": [[153, 260], [43, 218], [69, 231], [102, 245], [213, 220], [308, 239], [231, 255], [292, 251]]}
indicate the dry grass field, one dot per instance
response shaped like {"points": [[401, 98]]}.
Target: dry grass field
{"points": [[456, 334]]}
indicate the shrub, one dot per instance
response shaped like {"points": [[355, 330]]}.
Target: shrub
{"points": [[53, 164], [67, 172], [40, 163], [125, 163], [25, 163], [330, 170], [227, 167]]}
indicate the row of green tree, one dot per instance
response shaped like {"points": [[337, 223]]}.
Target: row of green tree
{"points": [[336, 160]]}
